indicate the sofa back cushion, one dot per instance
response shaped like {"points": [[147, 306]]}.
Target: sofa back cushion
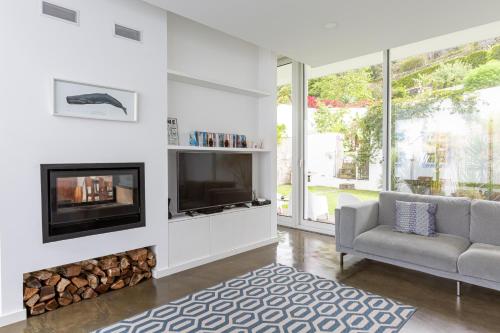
{"points": [[485, 222], [452, 216]]}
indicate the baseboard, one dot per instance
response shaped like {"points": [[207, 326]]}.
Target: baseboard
{"points": [[162, 272], [13, 317]]}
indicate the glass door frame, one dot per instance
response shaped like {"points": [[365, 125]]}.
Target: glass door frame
{"points": [[291, 221], [299, 108]]}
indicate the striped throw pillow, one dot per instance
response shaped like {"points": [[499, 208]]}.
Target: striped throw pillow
{"points": [[416, 218]]}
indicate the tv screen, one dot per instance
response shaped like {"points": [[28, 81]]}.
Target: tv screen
{"points": [[213, 179]]}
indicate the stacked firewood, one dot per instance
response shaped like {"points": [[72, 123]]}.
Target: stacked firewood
{"points": [[48, 289]]}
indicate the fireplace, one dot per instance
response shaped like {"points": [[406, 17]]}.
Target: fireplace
{"points": [[87, 199]]}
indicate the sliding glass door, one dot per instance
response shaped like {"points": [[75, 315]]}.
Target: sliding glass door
{"points": [[342, 136]]}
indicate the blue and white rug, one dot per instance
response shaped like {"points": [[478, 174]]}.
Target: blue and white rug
{"points": [[275, 298]]}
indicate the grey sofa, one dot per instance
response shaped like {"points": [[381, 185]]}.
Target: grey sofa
{"points": [[466, 248]]}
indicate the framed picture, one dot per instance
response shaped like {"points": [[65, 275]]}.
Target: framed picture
{"points": [[83, 100], [173, 131]]}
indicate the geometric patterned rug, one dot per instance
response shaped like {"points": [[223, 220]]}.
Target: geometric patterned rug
{"points": [[275, 298]]}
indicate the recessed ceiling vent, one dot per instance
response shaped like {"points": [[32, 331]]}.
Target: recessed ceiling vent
{"points": [[129, 33], [59, 12]]}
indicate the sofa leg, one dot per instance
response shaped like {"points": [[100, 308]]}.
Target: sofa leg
{"points": [[342, 260], [458, 288]]}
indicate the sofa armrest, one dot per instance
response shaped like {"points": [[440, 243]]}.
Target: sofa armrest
{"points": [[354, 219]]}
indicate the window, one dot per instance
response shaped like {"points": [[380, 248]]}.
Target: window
{"points": [[436, 133], [446, 120], [284, 140], [343, 135]]}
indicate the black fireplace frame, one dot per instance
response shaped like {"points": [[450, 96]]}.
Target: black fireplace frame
{"points": [[46, 169]]}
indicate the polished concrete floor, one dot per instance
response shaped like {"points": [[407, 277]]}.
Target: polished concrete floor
{"points": [[439, 310]]}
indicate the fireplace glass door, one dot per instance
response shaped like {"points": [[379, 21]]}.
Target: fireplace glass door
{"points": [[84, 199]]}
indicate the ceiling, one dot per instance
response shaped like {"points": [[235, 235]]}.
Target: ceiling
{"points": [[296, 28]]}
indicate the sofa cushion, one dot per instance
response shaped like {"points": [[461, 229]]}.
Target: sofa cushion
{"points": [[440, 252], [416, 218], [485, 222], [481, 261], [452, 216]]}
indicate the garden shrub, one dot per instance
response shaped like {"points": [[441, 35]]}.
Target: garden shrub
{"points": [[411, 64], [408, 81], [476, 59], [495, 52], [485, 76]]}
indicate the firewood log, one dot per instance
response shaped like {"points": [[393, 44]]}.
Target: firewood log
{"points": [[53, 280], [32, 301], [113, 272], [70, 270], [42, 275], [138, 254], [118, 284], [79, 281], [37, 309], [46, 293], [72, 288], [62, 284], [29, 292], [89, 293], [51, 305], [33, 282]]}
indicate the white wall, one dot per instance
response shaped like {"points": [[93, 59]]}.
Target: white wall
{"points": [[37, 49]]}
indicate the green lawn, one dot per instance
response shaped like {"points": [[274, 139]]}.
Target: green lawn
{"points": [[332, 194]]}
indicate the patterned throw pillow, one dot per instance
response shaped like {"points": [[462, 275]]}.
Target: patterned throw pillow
{"points": [[416, 218]]}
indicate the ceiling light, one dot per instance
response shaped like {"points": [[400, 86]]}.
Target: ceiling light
{"points": [[330, 25]]}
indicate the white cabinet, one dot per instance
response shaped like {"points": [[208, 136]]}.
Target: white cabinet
{"points": [[222, 232], [188, 241], [197, 240]]}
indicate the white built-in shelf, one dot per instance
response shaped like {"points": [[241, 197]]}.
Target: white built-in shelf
{"points": [[202, 82], [195, 148]]}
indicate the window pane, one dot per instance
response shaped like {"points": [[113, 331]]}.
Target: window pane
{"points": [[284, 140], [446, 118], [343, 135]]}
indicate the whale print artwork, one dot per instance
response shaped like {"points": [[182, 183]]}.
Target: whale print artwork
{"points": [[82, 100]]}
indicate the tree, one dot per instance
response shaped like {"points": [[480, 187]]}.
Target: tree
{"points": [[280, 132], [329, 121], [485, 76], [285, 94], [347, 87]]}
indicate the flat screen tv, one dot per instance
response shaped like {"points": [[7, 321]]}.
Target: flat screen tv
{"points": [[207, 180]]}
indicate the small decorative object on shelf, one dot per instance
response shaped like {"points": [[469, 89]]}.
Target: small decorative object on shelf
{"points": [[173, 131], [210, 139], [193, 139]]}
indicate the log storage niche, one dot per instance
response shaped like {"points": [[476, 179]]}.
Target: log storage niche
{"points": [[49, 289]]}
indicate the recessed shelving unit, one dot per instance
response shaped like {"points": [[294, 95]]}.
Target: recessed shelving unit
{"points": [[195, 148], [202, 82]]}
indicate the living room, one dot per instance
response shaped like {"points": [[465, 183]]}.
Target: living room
{"points": [[239, 166]]}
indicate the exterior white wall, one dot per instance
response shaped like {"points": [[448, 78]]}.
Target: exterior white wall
{"points": [[38, 48]]}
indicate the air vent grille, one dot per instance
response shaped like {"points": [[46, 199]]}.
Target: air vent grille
{"points": [[59, 12], [129, 33]]}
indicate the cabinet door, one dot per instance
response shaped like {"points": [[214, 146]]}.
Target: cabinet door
{"points": [[188, 240], [222, 236], [253, 226]]}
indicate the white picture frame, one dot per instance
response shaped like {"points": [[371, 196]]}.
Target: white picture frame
{"points": [[92, 101]]}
